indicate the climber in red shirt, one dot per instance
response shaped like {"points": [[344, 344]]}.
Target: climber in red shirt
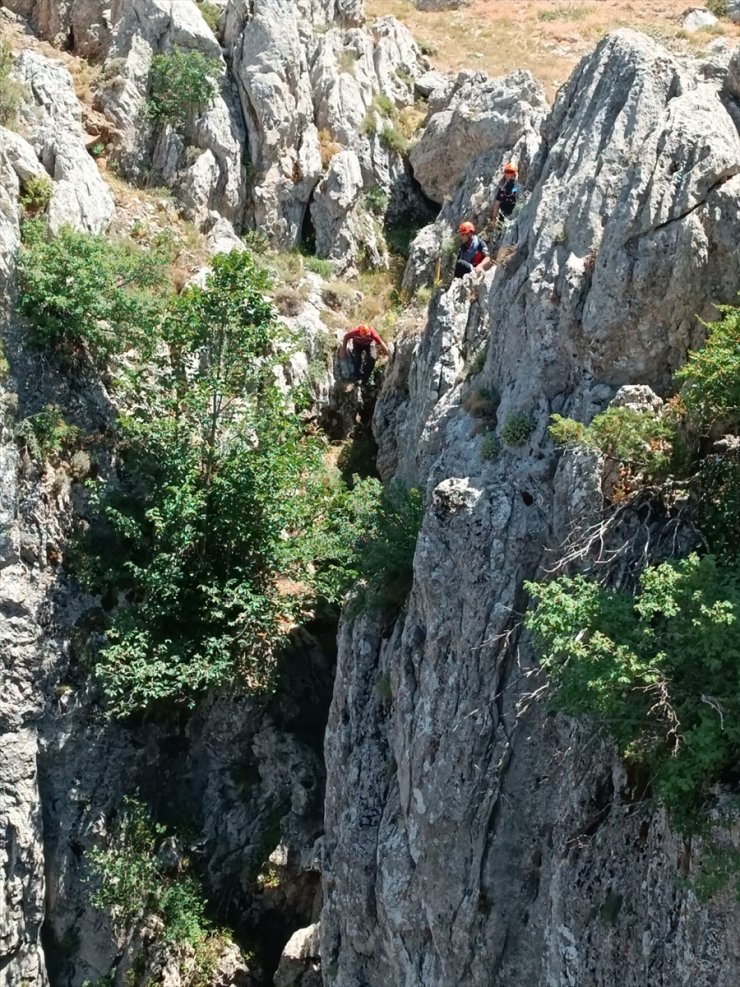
{"points": [[363, 359]]}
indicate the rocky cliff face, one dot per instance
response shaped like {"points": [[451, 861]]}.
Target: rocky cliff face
{"points": [[470, 838]]}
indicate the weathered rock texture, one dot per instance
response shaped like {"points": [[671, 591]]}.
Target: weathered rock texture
{"points": [[52, 117], [471, 839], [475, 126]]}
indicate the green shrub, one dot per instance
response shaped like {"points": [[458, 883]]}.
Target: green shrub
{"points": [[660, 670], [720, 8], [83, 293], [211, 13], [386, 522], [47, 434], [11, 93], [394, 139], [711, 378], [517, 429], [490, 447], [180, 84], [641, 440], [132, 883], [477, 361], [36, 193], [377, 199]]}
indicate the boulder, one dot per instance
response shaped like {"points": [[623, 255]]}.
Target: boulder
{"points": [[698, 18], [345, 228], [481, 115], [300, 962]]}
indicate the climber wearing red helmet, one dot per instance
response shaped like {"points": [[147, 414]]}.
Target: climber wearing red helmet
{"points": [[362, 338], [473, 253], [506, 194]]}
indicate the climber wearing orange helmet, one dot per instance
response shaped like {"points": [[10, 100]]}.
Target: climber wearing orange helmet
{"points": [[473, 252], [506, 193], [362, 338]]}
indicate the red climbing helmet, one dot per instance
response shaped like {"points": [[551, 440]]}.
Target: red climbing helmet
{"points": [[364, 330], [510, 169], [466, 227]]}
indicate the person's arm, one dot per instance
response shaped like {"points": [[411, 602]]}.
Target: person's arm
{"points": [[380, 343], [347, 337], [485, 262]]}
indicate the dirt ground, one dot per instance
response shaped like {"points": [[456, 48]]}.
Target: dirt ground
{"points": [[546, 36]]}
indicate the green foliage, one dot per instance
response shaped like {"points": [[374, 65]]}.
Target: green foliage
{"points": [[490, 448], [386, 524], [395, 139], [639, 439], [219, 528], [477, 361], [720, 8], [180, 84], [11, 93], [97, 150], [517, 428], [36, 193], [83, 293], [400, 236], [377, 199], [661, 670], [47, 434], [211, 13], [320, 266], [133, 883], [711, 378]]}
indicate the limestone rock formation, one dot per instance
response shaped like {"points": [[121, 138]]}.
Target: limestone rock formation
{"points": [[475, 126], [205, 162], [480, 115], [53, 121], [470, 838]]}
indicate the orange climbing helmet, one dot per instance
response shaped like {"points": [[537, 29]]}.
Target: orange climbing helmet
{"points": [[364, 330], [510, 169], [466, 227]]}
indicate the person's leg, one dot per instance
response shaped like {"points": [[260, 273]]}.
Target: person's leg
{"points": [[356, 354], [368, 366]]}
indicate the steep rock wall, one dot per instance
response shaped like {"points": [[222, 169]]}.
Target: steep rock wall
{"points": [[470, 838]]}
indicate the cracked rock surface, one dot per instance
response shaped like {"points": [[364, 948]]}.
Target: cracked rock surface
{"points": [[471, 839]]}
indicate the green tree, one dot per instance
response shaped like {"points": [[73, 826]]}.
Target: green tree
{"points": [[84, 294], [181, 83], [219, 493], [660, 670]]}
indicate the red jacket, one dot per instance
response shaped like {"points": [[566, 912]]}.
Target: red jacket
{"points": [[359, 340]]}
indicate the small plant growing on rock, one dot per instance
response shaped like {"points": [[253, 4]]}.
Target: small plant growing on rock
{"points": [[36, 193], [477, 361], [482, 402], [377, 199], [517, 429], [328, 147], [47, 434], [180, 83], [490, 448]]}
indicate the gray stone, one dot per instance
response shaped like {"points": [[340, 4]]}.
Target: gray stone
{"points": [[458, 813], [698, 18], [54, 128]]}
